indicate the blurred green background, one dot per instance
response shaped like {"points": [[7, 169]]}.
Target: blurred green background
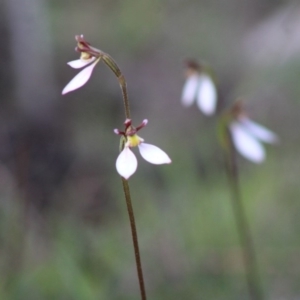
{"points": [[64, 230]]}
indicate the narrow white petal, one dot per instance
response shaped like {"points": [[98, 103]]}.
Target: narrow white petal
{"points": [[207, 95], [126, 163], [153, 154], [189, 90], [80, 79], [80, 63], [246, 144], [259, 131]]}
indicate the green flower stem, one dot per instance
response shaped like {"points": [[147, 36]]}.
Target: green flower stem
{"points": [[243, 228], [110, 62], [123, 86], [134, 238]]}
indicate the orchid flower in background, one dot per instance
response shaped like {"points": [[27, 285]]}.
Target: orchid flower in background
{"points": [[247, 136], [199, 87], [89, 58], [126, 163]]}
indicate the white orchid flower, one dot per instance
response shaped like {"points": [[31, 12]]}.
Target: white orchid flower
{"points": [[126, 163], [83, 76], [199, 87], [89, 58], [247, 137]]}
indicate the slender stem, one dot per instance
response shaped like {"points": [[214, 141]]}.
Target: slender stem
{"points": [[244, 232], [123, 86], [110, 62], [113, 66], [134, 238]]}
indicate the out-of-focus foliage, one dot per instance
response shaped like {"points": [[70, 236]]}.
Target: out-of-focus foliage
{"points": [[64, 229]]}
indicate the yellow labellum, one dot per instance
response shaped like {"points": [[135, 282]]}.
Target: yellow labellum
{"points": [[134, 140], [85, 56]]}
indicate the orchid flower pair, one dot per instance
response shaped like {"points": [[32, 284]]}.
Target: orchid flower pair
{"points": [[126, 163], [199, 87], [247, 136]]}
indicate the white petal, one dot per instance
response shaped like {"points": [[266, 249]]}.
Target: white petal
{"points": [[207, 95], [79, 63], [189, 90], [126, 163], [80, 79], [153, 154], [259, 131], [246, 144]]}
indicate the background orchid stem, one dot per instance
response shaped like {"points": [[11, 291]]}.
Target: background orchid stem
{"points": [[243, 228], [134, 238], [114, 67]]}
